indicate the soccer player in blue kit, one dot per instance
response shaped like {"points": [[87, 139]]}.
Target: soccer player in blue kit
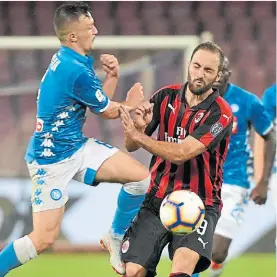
{"points": [[248, 112], [269, 101], [59, 152]]}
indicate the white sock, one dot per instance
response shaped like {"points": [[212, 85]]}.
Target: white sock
{"points": [[24, 249], [138, 188]]}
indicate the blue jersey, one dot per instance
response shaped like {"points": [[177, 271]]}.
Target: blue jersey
{"points": [[269, 100], [248, 111], [67, 89]]}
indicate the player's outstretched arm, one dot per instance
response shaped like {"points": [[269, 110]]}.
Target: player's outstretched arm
{"points": [[111, 66], [175, 153], [215, 128], [134, 99]]}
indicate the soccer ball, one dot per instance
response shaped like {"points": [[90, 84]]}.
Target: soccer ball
{"points": [[182, 212]]}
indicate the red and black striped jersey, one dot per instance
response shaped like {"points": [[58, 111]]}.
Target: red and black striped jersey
{"points": [[210, 122]]}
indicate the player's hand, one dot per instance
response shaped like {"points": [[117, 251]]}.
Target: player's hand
{"points": [[143, 115], [110, 65], [259, 193], [128, 123], [135, 95]]}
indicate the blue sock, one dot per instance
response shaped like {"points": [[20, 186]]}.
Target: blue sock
{"points": [[127, 208], [8, 260], [195, 275]]}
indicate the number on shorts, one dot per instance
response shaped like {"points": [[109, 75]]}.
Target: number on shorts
{"points": [[104, 143], [202, 228]]}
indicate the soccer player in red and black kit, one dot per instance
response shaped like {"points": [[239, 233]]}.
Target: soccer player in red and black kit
{"points": [[195, 125]]}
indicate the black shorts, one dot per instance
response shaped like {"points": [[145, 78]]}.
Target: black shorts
{"points": [[146, 238]]}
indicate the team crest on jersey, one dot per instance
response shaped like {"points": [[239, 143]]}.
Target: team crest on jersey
{"points": [[99, 95], [125, 246], [198, 117], [235, 108], [39, 125], [216, 129]]}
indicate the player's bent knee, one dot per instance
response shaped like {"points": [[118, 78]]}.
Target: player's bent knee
{"points": [[138, 188], [219, 256], [135, 270]]}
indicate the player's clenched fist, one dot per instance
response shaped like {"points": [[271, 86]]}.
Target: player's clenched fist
{"points": [[143, 114], [135, 95], [110, 65]]}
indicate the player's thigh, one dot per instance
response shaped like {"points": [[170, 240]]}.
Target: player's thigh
{"points": [[48, 223], [234, 200], [105, 163], [144, 241], [200, 241], [49, 183], [121, 168]]}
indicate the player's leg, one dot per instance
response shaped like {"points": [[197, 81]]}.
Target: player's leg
{"points": [[122, 168], [143, 244], [135, 178], [46, 229], [235, 200], [221, 246], [48, 200], [192, 253], [114, 166], [49, 196]]}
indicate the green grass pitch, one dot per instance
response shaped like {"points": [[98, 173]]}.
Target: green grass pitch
{"points": [[96, 265]]}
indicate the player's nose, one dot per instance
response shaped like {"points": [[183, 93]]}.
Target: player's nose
{"points": [[200, 74], [95, 30]]}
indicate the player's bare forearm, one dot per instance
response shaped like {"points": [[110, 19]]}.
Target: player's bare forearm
{"points": [[113, 110], [109, 85], [173, 152], [259, 149], [131, 145], [269, 156]]}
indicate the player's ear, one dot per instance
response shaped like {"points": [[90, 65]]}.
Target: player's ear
{"points": [[219, 74], [72, 37]]}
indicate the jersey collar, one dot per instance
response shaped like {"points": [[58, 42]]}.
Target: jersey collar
{"points": [[204, 105], [83, 59]]}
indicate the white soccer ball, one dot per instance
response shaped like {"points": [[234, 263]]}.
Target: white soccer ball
{"points": [[182, 212]]}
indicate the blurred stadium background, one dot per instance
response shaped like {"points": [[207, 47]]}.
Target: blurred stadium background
{"points": [[246, 31]]}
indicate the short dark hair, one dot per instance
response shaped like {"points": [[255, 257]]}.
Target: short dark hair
{"points": [[68, 13], [212, 47]]}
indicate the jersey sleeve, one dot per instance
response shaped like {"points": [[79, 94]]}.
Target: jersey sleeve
{"points": [[270, 104], [216, 127], [259, 117], [88, 90], [152, 126]]}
